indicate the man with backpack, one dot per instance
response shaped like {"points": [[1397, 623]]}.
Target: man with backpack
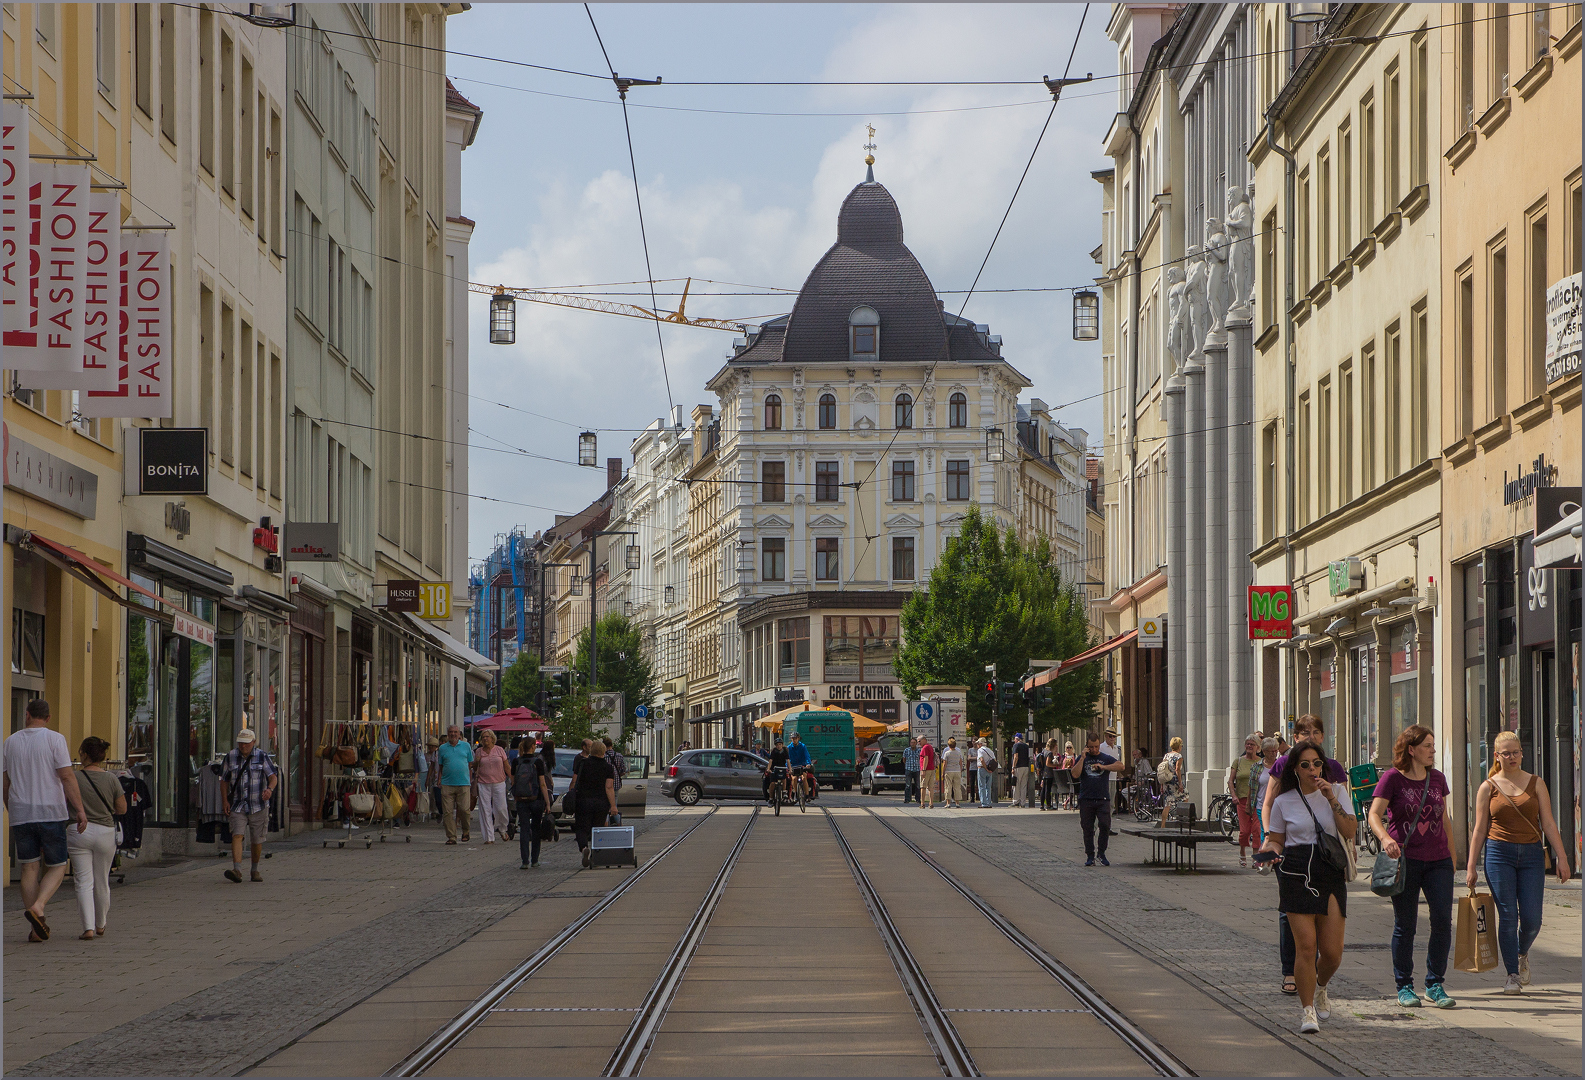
{"points": [[531, 793]]}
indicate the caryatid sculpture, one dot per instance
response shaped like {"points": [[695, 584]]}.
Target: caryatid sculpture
{"points": [[1177, 319], [1196, 301], [1241, 232]]}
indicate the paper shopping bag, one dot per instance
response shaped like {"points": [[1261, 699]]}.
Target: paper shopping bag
{"points": [[1476, 942]]}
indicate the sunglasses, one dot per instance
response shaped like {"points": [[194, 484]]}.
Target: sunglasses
{"points": [[1310, 764]]}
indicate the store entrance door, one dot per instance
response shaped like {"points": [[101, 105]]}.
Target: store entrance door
{"points": [[1363, 711]]}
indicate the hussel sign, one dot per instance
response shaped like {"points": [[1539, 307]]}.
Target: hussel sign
{"points": [[1563, 329]]}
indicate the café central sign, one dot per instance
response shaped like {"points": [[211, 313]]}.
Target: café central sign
{"points": [[861, 692]]}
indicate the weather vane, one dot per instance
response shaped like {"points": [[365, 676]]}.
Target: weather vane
{"points": [[869, 158]]}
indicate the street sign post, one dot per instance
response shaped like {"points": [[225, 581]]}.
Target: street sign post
{"points": [[641, 712], [1152, 633]]}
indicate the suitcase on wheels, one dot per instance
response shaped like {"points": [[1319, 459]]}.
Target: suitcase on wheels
{"points": [[612, 846]]}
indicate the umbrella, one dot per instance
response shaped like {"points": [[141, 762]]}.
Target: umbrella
{"points": [[518, 719]]}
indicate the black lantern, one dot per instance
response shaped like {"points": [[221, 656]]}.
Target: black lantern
{"points": [[1308, 13], [627, 608], [671, 595], [634, 557], [995, 446], [586, 448], [503, 317], [577, 585], [275, 16], [1086, 315]]}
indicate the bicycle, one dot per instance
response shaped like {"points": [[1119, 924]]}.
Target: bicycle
{"points": [[799, 782], [1224, 811], [778, 788]]}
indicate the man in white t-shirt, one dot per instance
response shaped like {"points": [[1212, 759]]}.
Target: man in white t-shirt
{"points": [[39, 785], [1113, 753]]}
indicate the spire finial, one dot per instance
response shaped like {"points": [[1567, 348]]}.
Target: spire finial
{"points": [[869, 158]]}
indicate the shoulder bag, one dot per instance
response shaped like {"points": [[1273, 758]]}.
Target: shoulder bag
{"points": [[1329, 846], [1546, 855], [361, 802], [109, 806], [1387, 875]]}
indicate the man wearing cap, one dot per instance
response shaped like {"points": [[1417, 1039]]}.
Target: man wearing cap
{"points": [[247, 783]]}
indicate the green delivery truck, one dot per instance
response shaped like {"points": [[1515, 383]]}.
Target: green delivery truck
{"points": [[829, 735]]}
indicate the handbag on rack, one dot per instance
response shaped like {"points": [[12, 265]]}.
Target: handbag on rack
{"points": [[361, 802], [345, 755], [395, 804], [1387, 875], [423, 805]]}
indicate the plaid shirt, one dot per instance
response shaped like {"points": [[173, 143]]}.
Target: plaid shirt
{"points": [[911, 759], [247, 780]]}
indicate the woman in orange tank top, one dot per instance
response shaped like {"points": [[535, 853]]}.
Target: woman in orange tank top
{"points": [[1513, 823]]}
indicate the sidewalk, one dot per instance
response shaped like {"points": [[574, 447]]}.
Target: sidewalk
{"points": [[1219, 923]]}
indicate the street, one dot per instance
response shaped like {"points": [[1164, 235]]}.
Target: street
{"points": [[351, 961]]}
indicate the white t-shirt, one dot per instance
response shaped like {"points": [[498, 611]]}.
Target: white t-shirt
{"points": [[985, 756], [32, 755], [1110, 752], [1289, 817], [952, 760]]}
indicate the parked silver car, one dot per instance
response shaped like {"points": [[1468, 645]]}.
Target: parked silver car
{"points": [[631, 797], [873, 779], [714, 774]]}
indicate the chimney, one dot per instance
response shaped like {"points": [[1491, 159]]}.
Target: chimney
{"points": [[613, 472]]}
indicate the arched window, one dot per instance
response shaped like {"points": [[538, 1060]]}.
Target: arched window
{"points": [[904, 417], [958, 411], [864, 329], [828, 412], [773, 412]]}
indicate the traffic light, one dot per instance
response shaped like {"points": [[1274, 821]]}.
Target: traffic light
{"points": [[1042, 697], [1009, 697], [990, 693]]}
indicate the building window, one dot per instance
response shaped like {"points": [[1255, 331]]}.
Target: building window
{"points": [[1536, 316], [827, 475], [1466, 353], [773, 412], [864, 340], [1304, 231], [105, 47], [1498, 391], [1323, 449], [27, 643], [1367, 163], [1367, 417], [828, 565], [902, 558], [1323, 211], [1268, 271], [1394, 405], [774, 477], [903, 481], [958, 480], [1345, 435], [1499, 50], [958, 411], [1420, 132], [1268, 484], [903, 414], [792, 649], [1345, 191], [206, 91], [860, 648], [828, 412], [1466, 68], [1392, 148], [1303, 494], [773, 559]]}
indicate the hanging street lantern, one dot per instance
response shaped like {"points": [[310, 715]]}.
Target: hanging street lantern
{"points": [[273, 16], [634, 557], [577, 585], [1086, 315], [671, 595], [586, 449], [995, 446], [503, 317], [627, 608], [1308, 13]]}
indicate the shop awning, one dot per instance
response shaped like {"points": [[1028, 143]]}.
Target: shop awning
{"points": [[1559, 546], [1079, 661], [93, 574], [473, 661]]}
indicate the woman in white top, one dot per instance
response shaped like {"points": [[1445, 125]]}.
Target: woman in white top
{"points": [[1312, 892]]}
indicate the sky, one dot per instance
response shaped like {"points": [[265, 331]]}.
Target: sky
{"points": [[733, 195]]}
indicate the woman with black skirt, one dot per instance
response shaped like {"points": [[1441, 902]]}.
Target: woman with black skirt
{"points": [[1313, 894], [595, 783]]}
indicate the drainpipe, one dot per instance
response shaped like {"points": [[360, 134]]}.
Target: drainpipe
{"points": [[1290, 172], [1132, 381]]}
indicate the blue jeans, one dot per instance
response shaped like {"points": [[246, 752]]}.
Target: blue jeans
{"points": [[1435, 879], [1517, 876], [911, 786], [987, 786]]}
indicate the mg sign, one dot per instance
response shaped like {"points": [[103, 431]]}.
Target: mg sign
{"points": [[1270, 612]]}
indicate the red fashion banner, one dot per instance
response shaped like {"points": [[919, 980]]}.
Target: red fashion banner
{"points": [[101, 304], [49, 337], [14, 215], [142, 386]]}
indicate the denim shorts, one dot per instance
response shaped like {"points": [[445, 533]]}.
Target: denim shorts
{"points": [[47, 838]]}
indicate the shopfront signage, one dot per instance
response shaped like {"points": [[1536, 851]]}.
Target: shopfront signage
{"points": [[788, 696], [14, 169], [312, 541], [1152, 633], [48, 478], [142, 383], [434, 600], [1537, 621], [1270, 612], [861, 692], [46, 334], [1553, 504], [1345, 576], [196, 629], [404, 594], [173, 461], [1563, 329], [1540, 475]]}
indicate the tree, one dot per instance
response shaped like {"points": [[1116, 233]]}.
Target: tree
{"points": [[991, 600], [521, 682], [623, 665]]}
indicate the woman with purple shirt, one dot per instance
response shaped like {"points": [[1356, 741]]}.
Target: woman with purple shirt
{"points": [[1408, 813]]}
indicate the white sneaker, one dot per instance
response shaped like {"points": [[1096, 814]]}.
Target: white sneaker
{"points": [[1323, 1004], [1309, 1024], [1512, 986], [1524, 970]]}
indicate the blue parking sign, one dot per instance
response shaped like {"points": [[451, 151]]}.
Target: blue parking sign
{"points": [[924, 710]]}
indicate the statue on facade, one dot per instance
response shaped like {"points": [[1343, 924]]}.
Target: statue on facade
{"points": [[1196, 302], [1177, 318], [1218, 285], [1241, 231]]}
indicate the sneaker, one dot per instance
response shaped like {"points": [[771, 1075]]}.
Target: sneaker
{"points": [[1102, 860], [1513, 986], [257, 876], [1090, 861], [233, 875], [1438, 997], [533, 864], [1309, 1023], [1524, 969], [1323, 1004], [586, 854], [1408, 999]]}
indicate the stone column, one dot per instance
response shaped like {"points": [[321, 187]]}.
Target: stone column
{"points": [[1194, 527], [1216, 526], [1240, 529], [1177, 564]]}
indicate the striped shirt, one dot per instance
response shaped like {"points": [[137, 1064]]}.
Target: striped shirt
{"points": [[911, 759]]}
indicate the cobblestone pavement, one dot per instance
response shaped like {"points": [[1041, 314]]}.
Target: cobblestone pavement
{"points": [[1218, 927], [201, 977]]}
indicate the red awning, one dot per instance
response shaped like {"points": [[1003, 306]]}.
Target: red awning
{"points": [[1079, 661], [76, 563], [516, 719]]}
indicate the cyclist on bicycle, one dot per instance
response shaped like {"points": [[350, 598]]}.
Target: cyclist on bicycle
{"points": [[802, 762], [777, 769]]}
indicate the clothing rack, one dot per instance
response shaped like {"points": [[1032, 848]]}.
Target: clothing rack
{"points": [[378, 786]]}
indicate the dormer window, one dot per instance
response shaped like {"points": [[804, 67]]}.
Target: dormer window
{"points": [[864, 330], [773, 412]]}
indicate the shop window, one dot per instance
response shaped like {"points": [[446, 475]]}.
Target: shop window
{"points": [[1403, 687], [1327, 705], [792, 649], [27, 643]]}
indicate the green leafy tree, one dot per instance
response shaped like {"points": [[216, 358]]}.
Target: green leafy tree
{"points": [[623, 665], [991, 600], [576, 719], [521, 682]]}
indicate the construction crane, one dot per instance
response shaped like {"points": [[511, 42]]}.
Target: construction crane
{"points": [[589, 303]]}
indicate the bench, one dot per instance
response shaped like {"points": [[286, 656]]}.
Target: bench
{"points": [[1179, 848]]}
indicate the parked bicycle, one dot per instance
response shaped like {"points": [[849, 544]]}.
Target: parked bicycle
{"points": [[1224, 811]]}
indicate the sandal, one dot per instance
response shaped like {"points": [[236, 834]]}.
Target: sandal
{"points": [[33, 935], [1290, 986], [40, 927], [86, 935]]}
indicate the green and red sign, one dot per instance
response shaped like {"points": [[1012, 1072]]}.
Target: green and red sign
{"points": [[1270, 612]]}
